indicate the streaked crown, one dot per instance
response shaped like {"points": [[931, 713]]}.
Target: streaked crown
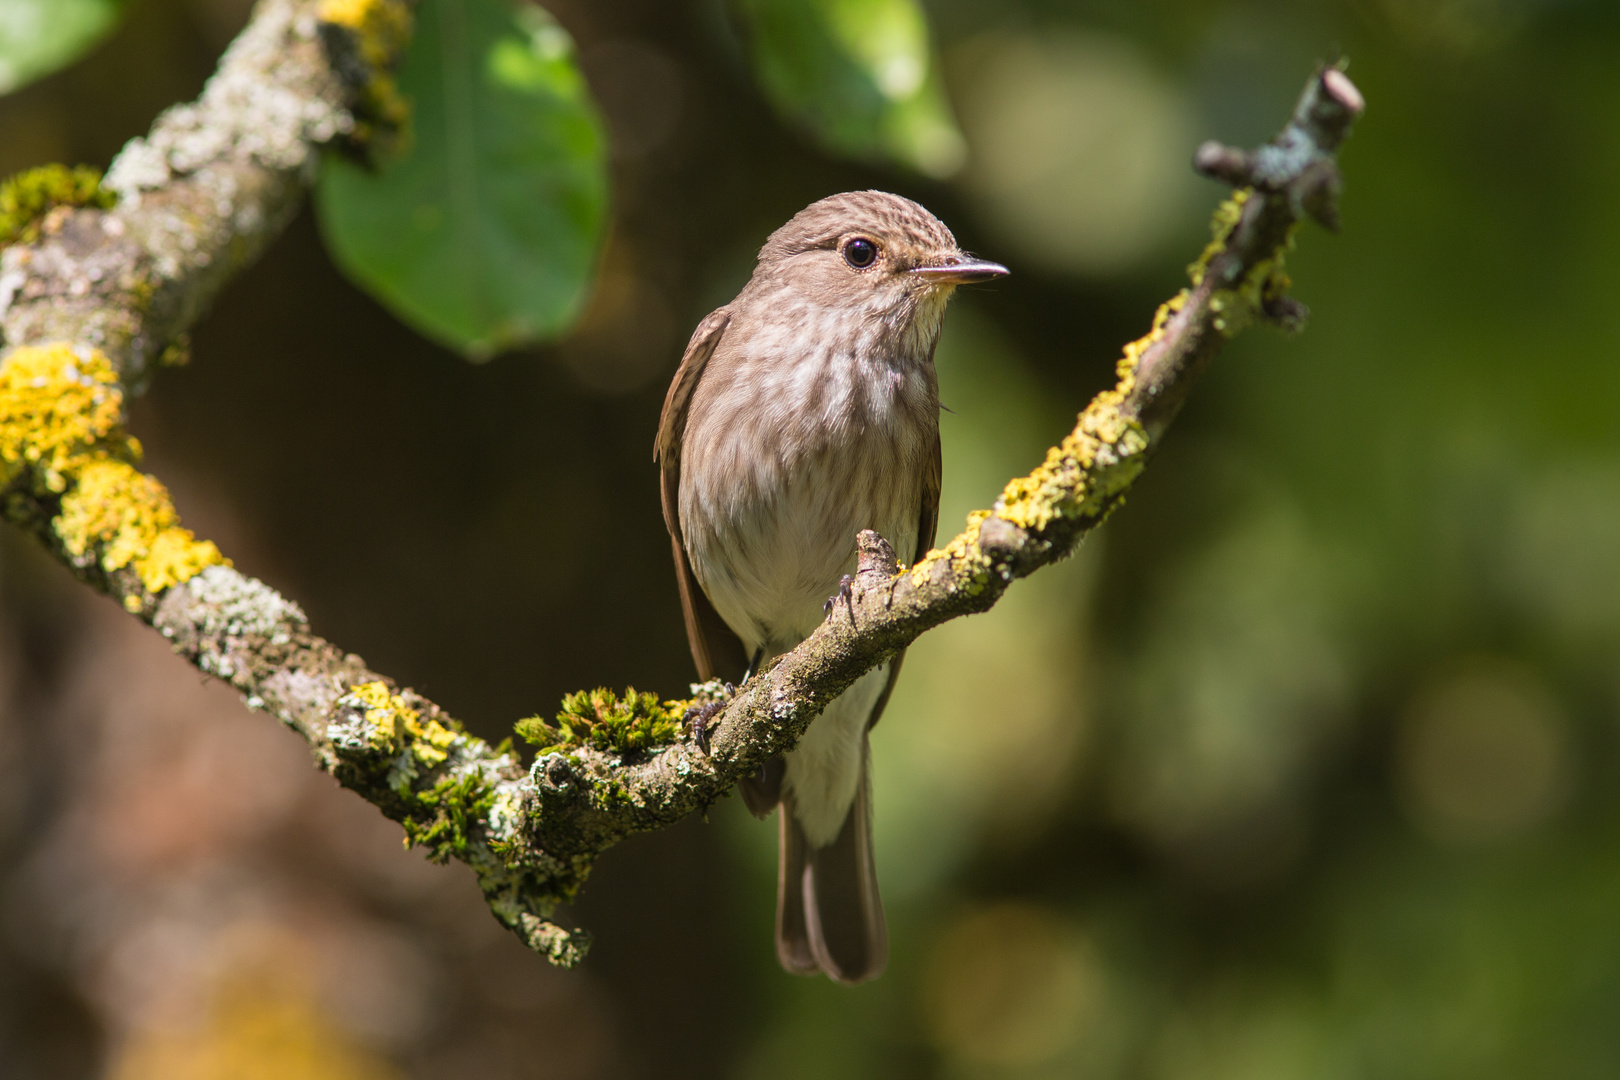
{"points": [[906, 228]]}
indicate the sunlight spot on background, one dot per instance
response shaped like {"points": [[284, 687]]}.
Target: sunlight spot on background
{"points": [[1079, 150], [258, 1018], [1012, 985], [1483, 753]]}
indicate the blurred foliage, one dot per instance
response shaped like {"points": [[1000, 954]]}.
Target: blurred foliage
{"points": [[484, 234], [39, 36], [860, 74], [1303, 767]]}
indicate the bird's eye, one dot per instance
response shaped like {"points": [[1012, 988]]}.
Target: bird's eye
{"points": [[860, 252]]}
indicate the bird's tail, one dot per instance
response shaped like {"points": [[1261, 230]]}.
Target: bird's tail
{"points": [[828, 914]]}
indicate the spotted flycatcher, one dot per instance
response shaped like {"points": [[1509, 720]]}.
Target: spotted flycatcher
{"points": [[803, 412]]}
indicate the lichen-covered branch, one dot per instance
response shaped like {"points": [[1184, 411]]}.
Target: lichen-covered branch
{"points": [[209, 187], [98, 283]]}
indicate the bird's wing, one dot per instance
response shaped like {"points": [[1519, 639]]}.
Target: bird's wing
{"points": [[927, 526], [718, 652], [928, 512]]}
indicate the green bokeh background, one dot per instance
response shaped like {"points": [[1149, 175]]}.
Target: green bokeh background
{"points": [[1303, 767]]}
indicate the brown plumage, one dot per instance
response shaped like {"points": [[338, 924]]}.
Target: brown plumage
{"points": [[804, 411]]}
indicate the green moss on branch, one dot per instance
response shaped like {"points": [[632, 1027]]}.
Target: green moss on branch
{"points": [[25, 199], [605, 721]]}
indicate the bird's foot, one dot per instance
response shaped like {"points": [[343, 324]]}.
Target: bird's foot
{"points": [[697, 721], [846, 593]]}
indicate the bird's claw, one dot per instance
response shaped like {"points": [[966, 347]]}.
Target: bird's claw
{"points": [[846, 593], [697, 719]]}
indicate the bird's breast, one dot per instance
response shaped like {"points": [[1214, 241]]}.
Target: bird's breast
{"points": [[784, 459]]}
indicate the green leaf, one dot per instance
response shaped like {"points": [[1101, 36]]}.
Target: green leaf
{"points": [[39, 36], [484, 234], [860, 74]]}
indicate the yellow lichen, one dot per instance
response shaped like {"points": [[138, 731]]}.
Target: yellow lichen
{"points": [[61, 432], [129, 517], [380, 29], [58, 409], [1226, 218], [385, 713], [433, 742], [1235, 308], [174, 557], [442, 816], [393, 722], [962, 548], [1126, 367], [1058, 487], [1064, 485]]}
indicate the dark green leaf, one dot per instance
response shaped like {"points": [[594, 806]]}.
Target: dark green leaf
{"points": [[484, 234], [39, 36], [860, 74]]}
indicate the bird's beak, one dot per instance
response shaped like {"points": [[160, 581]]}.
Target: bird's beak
{"points": [[960, 270]]}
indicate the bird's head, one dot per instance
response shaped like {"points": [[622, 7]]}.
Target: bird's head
{"points": [[873, 256]]}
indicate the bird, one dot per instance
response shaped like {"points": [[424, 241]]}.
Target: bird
{"points": [[804, 411]]}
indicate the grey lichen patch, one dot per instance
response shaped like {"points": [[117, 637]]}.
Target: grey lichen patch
{"points": [[505, 812], [235, 605], [230, 625], [250, 109], [565, 948], [714, 692], [204, 190], [75, 279]]}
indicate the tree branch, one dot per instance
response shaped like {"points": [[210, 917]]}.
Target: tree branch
{"points": [[90, 304]]}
